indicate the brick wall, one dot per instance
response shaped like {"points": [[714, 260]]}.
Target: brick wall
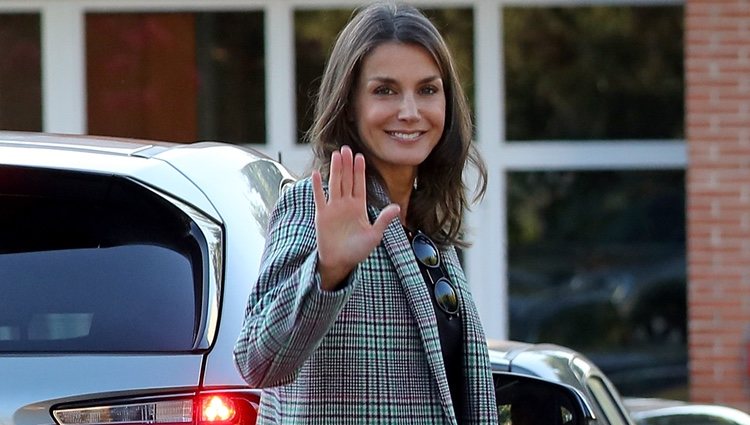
{"points": [[717, 66]]}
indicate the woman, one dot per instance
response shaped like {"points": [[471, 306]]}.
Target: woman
{"points": [[358, 317]]}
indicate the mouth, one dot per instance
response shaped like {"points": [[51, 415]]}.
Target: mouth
{"points": [[407, 136]]}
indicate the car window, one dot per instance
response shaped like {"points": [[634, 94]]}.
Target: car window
{"points": [[523, 401], [95, 263], [606, 401]]}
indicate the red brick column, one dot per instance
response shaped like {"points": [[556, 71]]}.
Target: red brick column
{"points": [[717, 71]]}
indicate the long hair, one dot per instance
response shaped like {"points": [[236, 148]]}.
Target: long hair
{"points": [[437, 206]]}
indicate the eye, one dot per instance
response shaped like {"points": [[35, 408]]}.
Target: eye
{"points": [[383, 90], [429, 90]]}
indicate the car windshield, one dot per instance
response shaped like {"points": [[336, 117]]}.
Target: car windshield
{"points": [[95, 263]]}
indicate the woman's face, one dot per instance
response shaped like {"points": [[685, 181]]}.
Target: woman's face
{"points": [[399, 106]]}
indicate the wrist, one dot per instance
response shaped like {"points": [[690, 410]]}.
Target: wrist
{"points": [[332, 278]]}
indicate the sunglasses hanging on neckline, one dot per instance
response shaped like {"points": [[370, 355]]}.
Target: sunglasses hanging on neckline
{"points": [[428, 257]]}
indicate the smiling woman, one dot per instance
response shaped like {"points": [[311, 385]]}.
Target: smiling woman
{"points": [[399, 111], [374, 332], [315, 33]]}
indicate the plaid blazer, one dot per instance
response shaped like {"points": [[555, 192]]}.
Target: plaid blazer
{"points": [[367, 353]]}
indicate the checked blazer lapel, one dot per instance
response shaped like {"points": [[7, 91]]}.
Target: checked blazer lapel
{"points": [[400, 251]]}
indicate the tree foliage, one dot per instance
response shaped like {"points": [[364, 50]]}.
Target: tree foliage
{"points": [[598, 72]]}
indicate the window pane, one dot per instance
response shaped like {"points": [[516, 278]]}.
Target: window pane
{"points": [[597, 263], [176, 76], [316, 31], [20, 72], [94, 263], [457, 27], [593, 72], [529, 401]]}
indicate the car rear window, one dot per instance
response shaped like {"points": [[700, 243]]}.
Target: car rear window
{"points": [[95, 263]]}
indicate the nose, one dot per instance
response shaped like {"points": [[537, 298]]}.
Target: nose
{"points": [[408, 110]]}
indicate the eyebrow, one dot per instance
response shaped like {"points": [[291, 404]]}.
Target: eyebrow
{"points": [[390, 80]]}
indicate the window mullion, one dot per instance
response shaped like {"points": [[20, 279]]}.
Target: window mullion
{"points": [[485, 260], [63, 72], [279, 39]]}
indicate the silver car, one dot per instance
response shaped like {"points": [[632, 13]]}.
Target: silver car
{"points": [[124, 273], [654, 411]]}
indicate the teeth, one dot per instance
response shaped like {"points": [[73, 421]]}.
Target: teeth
{"points": [[407, 136]]}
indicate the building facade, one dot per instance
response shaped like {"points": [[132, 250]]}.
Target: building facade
{"points": [[718, 186]]}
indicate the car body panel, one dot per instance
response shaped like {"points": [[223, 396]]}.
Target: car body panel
{"points": [[40, 382], [261, 180]]}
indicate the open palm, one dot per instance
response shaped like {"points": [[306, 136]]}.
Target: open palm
{"points": [[345, 235]]}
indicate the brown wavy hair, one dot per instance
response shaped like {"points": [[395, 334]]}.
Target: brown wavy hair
{"points": [[438, 204]]}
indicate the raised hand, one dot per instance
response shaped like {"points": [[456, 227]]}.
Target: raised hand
{"points": [[345, 234]]}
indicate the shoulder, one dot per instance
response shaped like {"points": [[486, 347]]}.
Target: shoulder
{"points": [[295, 206], [301, 188], [296, 195]]}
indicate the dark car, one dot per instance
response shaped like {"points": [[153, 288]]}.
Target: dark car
{"points": [[596, 399], [563, 387]]}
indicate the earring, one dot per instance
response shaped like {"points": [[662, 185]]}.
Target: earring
{"points": [[415, 183]]}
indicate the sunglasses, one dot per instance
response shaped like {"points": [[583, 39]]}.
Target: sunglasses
{"points": [[428, 256]]}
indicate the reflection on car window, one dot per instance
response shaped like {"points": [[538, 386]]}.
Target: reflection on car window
{"points": [[530, 402], [606, 401], [93, 263]]}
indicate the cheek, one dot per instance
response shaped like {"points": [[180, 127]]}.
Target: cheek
{"points": [[437, 117], [365, 128], [371, 118]]}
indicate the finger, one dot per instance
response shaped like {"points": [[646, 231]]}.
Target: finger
{"points": [[385, 217], [360, 181], [347, 172], [334, 178], [318, 195]]}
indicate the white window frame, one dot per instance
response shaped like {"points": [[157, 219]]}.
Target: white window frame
{"points": [[64, 111]]}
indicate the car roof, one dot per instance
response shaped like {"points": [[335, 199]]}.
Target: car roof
{"points": [[101, 144], [549, 361], [186, 171]]}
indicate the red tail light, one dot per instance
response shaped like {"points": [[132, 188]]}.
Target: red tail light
{"points": [[225, 408], [217, 408]]}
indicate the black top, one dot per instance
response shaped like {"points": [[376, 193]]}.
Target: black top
{"points": [[451, 336]]}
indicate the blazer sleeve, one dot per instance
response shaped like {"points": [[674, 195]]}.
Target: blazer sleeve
{"points": [[287, 313]]}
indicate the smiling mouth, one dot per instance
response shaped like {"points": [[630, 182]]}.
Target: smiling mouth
{"points": [[405, 136]]}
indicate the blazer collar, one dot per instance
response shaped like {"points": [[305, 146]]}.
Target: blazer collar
{"points": [[417, 295]]}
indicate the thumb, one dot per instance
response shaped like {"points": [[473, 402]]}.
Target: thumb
{"points": [[386, 216]]}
